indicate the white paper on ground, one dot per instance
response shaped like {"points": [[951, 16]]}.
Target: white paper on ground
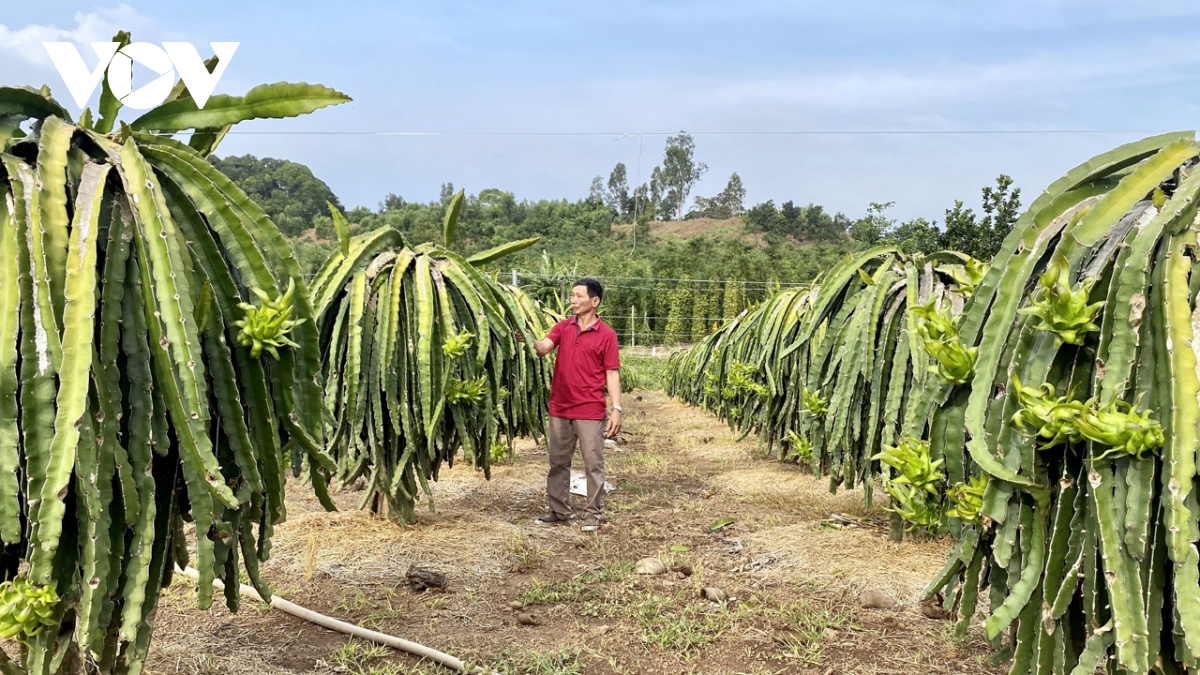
{"points": [[579, 484]]}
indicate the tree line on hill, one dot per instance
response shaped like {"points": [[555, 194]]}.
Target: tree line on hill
{"points": [[699, 280]]}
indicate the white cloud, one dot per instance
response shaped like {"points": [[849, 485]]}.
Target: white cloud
{"points": [[98, 26], [1076, 88], [1142, 83]]}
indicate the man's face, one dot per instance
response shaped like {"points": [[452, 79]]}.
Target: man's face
{"points": [[580, 302]]}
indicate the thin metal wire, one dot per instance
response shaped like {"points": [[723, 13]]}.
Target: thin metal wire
{"points": [[654, 334], [659, 289], [756, 285], [696, 281], [773, 132], [667, 318]]}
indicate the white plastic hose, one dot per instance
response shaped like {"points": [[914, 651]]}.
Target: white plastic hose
{"points": [[347, 628]]}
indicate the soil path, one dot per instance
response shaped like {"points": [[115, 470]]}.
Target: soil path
{"points": [[793, 577]]}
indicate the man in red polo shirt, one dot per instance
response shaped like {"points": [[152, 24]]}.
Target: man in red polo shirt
{"points": [[586, 364]]}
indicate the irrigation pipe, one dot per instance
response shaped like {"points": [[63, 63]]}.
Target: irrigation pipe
{"points": [[349, 628]]}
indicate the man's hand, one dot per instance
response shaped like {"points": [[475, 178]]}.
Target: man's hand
{"points": [[540, 347], [614, 425], [613, 383]]}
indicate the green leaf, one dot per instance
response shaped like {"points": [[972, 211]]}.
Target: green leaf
{"points": [[203, 307], [10, 128], [495, 253], [274, 101], [342, 228], [205, 141], [110, 105], [450, 226], [72, 399], [27, 102], [180, 90], [680, 548], [721, 523]]}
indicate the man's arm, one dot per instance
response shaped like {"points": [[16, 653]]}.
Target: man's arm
{"points": [[545, 345], [614, 392]]}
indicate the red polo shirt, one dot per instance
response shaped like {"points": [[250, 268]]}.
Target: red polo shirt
{"points": [[584, 356]]}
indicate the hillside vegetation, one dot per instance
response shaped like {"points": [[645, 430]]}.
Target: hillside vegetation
{"points": [[671, 274]]}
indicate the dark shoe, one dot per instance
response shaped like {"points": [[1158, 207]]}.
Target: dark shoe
{"points": [[591, 524], [552, 518]]}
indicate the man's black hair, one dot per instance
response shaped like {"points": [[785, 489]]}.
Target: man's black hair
{"points": [[594, 289]]}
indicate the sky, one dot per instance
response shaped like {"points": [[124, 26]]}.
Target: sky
{"points": [[536, 98]]}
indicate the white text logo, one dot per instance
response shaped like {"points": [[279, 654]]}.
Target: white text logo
{"points": [[164, 61]]}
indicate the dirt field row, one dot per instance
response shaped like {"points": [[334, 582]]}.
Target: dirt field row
{"points": [[546, 600]]}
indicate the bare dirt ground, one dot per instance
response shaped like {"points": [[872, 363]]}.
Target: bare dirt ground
{"points": [[731, 228], [793, 580]]}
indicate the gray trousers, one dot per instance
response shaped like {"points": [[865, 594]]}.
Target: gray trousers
{"points": [[562, 436]]}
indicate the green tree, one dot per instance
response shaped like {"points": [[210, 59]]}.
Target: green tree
{"points": [[641, 230], [289, 192], [804, 223], [1001, 208], [733, 197], [392, 202], [596, 195], [639, 203], [656, 194], [764, 217], [727, 204], [816, 224], [679, 328], [706, 306], [734, 301], [871, 228], [578, 234], [704, 207], [916, 236], [681, 171], [618, 191], [981, 238], [960, 231]]}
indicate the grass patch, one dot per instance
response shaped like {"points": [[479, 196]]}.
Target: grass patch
{"points": [[586, 589], [681, 630], [808, 623], [529, 662], [382, 613], [642, 371], [360, 658], [647, 462], [523, 555], [355, 602], [540, 593]]}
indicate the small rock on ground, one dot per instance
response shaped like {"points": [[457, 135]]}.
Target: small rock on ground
{"points": [[650, 566], [422, 579], [874, 599], [933, 611]]}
